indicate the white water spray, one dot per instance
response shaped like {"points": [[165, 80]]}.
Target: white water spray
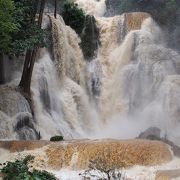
{"points": [[92, 7]]}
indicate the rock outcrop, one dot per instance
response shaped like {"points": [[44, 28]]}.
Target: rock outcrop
{"points": [[16, 120], [152, 133]]}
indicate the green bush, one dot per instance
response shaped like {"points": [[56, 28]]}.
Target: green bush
{"points": [[8, 25], [57, 138], [90, 38], [19, 170], [30, 33], [73, 16]]}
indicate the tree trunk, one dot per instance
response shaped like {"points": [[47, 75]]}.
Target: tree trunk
{"points": [[25, 83], [2, 78], [55, 8], [42, 6]]}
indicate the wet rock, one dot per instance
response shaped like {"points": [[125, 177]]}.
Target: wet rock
{"points": [[25, 127], [152, 133], [16, 118], [174, 148], [12, 101]]}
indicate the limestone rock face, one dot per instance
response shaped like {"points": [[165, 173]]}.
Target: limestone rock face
{"points": [[16, 121], [12, 101], [79, 154]]}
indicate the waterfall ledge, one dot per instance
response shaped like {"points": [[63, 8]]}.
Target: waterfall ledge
{"points": [[77, 154]]}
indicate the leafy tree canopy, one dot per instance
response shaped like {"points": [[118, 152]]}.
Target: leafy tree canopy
{"points": [[8, 24], [30, 34], [19, 169], [73, 16], [18, 28]]}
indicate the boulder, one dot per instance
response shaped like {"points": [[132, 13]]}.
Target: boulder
{"points": [[151, 133], [16, 117]]}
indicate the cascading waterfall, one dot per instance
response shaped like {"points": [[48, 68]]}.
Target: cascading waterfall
{"points": [[138, 76], [142, 67], [132, 83], [59, 86]]}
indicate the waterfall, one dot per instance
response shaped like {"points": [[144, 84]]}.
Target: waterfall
{"points": [[92, 7], [131, 84], [138, 76], [142, 68], [60, 86]]}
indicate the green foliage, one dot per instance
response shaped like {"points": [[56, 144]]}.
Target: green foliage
{"points": [[57, 138], [34, 36], [19, 170], [73, 16], [18, 29], [8, 24], [30, 34], [42, 175], [90, 38], [28, 159]]}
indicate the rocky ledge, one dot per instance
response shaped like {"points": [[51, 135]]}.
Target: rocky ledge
{"points": [[79, 154]]}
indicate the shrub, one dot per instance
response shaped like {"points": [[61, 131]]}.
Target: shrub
{"points": [[19, 170], [8, 25], [57, 138], [73, 16], [100, 169]]}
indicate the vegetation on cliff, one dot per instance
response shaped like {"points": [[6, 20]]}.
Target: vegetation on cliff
{"points": [[18, 28], [85, 27], [8, 25], [57, 138], [73, 16]]}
